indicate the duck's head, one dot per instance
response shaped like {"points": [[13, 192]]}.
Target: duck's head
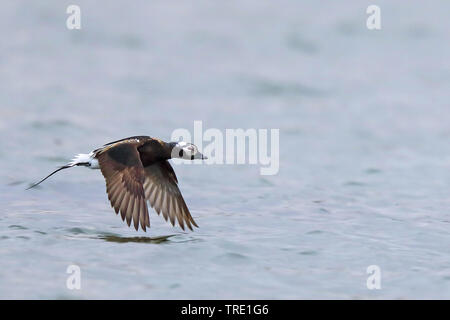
{"points": [[186, 150]]}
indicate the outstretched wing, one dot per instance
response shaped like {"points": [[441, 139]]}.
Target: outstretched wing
{"points": [[124, 174], [161, 190]]}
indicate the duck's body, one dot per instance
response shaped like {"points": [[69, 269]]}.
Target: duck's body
{"points": [[137, 170]]}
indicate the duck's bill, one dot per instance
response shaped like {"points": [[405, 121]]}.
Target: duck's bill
{"points": [[198, 155]]}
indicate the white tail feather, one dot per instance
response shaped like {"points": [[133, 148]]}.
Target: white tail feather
{"points": [[80, 158], [84, 159]]}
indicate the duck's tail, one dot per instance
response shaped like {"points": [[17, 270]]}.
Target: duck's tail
{"points": [[79, 160]]}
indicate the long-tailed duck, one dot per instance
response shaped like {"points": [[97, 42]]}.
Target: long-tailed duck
{"points": [[137, 170]]}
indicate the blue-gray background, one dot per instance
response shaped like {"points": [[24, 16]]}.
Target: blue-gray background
{"points": [[364, 121]]}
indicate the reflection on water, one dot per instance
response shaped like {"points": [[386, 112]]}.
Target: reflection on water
{"points": [[119, 239], [364, 155], [80, 233]]}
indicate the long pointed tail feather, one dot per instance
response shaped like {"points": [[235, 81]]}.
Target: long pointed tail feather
{"points": [[79, 160], [59, 169]]}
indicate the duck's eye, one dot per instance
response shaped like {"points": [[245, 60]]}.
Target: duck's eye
{"points": [[181, 153]]}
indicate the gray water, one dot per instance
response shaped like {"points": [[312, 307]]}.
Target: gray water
{"points": [[364, 119]]}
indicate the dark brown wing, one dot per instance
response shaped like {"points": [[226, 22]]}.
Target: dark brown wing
{"points": [[124, 174], [162, 192]]}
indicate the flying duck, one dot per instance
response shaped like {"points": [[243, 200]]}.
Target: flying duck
{"points": [[137, 170]]}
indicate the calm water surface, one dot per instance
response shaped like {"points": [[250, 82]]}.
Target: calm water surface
{"points": [[364, 121]]}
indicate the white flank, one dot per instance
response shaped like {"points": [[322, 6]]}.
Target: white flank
{"points": [[94, 164]]}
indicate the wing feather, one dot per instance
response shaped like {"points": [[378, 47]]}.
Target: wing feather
{"points": [[124, 174], [163, 194]]}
